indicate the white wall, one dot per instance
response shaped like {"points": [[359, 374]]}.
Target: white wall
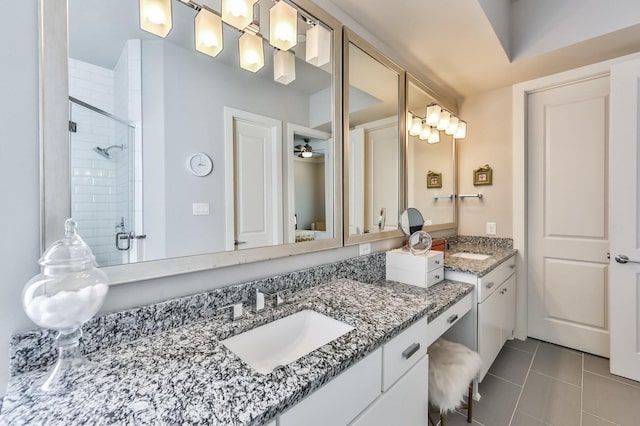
{"points": [[308, 176], [488, 141]]}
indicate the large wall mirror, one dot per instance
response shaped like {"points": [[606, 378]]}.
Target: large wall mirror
{"points": [[431, 163], [179, 158], [374, 142]]}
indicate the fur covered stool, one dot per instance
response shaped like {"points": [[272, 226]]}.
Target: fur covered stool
{"points": [[452, 368]]}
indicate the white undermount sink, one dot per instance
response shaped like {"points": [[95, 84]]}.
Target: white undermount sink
{"points": [[283, 341], [472, 256]]}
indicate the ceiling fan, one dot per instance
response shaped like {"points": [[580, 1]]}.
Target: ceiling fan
{"points": [[305, 151]]}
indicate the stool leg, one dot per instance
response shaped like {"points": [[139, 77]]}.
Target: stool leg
{"points": [[443, 419], [470, 404]]}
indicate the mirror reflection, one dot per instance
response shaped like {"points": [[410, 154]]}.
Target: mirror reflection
{"points": [[374, 145], [177, 153], [430, 165]]}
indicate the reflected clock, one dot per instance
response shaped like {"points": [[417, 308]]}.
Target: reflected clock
{"points": [[200, 164]]}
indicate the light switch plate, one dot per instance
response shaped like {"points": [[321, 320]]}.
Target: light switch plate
{"points": [[364, 248], [201, 209], [491, 228]]}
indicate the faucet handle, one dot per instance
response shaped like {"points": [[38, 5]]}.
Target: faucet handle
{"points": [[261, 292], [237, 310]]}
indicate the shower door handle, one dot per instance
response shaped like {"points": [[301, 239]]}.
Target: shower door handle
{"points": [[120, 236]]}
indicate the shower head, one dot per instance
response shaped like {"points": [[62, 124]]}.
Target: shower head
{"points": [[105, 151]]}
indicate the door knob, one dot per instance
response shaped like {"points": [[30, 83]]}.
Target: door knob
{"points": [[621, 258]]}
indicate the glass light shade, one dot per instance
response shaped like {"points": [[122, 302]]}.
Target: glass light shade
{"points": [[433, 115], [238, 13], [443, 123], [318, 46], [283, 26], [251, 52], [425, 133], [461, 131], [434, 137], [453, 126], [409, 121], [284, 66], [416, 127], [307, 154], [69, 291], [155, 16], [208, 33]]}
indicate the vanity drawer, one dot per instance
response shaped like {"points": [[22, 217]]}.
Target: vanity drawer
{"points": [[402, 352], [435, 276], [403, 259], [490, 282], [444, 321]]}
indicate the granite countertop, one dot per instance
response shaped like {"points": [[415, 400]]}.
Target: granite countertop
{"points": [[186, 376], [497, 255]]}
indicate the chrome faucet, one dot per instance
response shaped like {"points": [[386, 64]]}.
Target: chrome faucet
{"points": [[261, 292]]}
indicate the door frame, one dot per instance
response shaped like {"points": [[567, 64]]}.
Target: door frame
{"points": [[230, 115], [520, 93]]}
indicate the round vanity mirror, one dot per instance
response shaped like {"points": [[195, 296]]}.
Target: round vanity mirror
{"points": [[411, 220]]}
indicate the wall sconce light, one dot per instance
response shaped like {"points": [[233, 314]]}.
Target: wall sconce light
{"points": [[433, 115], [238, 13], [208, 33], [283, 26], [155, 16], [416, 126], [318, 45], [461, 131], [443, 123], [453, 126], [284, 66], [251, 52], [425, 133]]}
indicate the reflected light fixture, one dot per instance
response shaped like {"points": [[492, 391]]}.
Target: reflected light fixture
{"points": [[155, 16], [283, 26], [238, 13], [434, 136], [284, 66], [409, 121], [453, 126], [433, 115], [443, 122], [208, 33], [461, 131], [318, 45], [416, 126], [251, 52], [426, 132]]}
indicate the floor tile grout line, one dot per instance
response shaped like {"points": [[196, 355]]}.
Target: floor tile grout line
{"points": [[556, 379], [600, 418], [505, 380], [520, 350], [515, 408], [612, 379]]}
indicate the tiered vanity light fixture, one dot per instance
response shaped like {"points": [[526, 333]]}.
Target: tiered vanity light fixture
{"points": [[155, 17], [436, 119]]}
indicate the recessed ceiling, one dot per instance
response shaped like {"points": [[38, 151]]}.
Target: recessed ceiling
{"points": [[454, 44]]}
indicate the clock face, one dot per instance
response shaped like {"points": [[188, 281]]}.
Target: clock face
{"points": [[200, 164]]}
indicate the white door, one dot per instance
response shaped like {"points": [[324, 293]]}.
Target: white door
{"points": [[567, 145], [381, 147], [356, 181], [625, 220], [257, 177]]}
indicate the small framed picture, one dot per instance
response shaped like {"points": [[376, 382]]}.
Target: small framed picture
{"points": [[434, 180], [483, 176]]}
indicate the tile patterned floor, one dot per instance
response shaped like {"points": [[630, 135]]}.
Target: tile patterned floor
{"points": [[534, 383]]}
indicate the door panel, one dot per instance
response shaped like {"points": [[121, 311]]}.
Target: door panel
{"points": [[625, 219], [567, 146]]}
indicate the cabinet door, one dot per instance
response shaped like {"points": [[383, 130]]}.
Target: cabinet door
{"points": [[405, 403], [490, 325], [508, 296]]}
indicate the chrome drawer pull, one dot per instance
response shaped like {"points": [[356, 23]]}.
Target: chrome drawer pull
{"points": [[437, 262], [411, 350], [489, 285], [512, 266], [437, 277], [452, 318]]}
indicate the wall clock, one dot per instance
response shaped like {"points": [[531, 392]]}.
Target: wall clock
{"points": [[200, 164]]}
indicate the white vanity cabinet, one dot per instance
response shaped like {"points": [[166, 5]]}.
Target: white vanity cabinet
{"points": [[493, 319], [374, 388]]}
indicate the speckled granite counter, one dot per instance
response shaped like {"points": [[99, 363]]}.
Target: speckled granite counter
{"points": [[496, 254], [185, 376]]}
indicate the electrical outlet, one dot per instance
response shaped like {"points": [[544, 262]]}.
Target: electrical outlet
{"points": [[364, 248], [200, 209], [491, 228]]}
